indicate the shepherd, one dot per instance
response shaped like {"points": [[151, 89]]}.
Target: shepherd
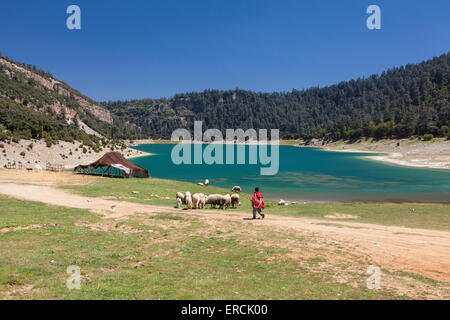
{"points": [[258, 203]]}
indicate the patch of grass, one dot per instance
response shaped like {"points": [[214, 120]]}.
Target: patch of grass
{"points": [[412, 215], [166, 217], [316, 260], [415, 276]]}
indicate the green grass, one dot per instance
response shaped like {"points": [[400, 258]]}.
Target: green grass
{"points": [[159, 258], [428, 216]]}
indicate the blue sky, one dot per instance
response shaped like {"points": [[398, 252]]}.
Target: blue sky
{"points": [[145, 48]]}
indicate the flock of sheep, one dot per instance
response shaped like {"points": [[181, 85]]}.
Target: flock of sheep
{"points": [[199, 200]]}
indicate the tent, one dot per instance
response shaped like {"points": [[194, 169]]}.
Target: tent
{"points": [[113, 164]]}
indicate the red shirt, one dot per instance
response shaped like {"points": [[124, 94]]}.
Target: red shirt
{"points": [[257, 201]]}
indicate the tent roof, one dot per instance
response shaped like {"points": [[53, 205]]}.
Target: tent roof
{"points": [[111, 158]]}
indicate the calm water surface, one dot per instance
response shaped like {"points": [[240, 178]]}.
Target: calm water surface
{"points": [[307, 174]]}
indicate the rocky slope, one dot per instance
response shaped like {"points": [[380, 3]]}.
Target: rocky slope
{"points": [[44, 93]]}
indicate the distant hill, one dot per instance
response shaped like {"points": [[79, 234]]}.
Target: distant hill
{"points": [[399, 103], [34, 105]]}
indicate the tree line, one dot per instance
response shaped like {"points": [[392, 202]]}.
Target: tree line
{"points": [[411, 100]]}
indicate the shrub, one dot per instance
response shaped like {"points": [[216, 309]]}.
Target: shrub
{"points": [[428, 137]]}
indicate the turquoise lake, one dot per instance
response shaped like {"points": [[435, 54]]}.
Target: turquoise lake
{"points": [[309, 174]]}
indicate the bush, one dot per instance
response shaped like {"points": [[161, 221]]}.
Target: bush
{"points": [[22, 153], [428, 137]]}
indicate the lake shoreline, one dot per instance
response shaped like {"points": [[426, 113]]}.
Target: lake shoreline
{"points": [[407, 153]]}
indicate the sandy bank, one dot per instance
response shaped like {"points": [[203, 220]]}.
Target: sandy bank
{"points": [[412, 153]]}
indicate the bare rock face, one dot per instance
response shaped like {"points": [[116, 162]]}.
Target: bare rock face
{"points": [[96, 110], [61, 108], [314, 143]]}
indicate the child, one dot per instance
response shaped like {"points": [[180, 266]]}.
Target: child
{"points": [[258, 203]]}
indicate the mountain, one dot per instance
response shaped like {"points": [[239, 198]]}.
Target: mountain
{"points": [[401, 102], [35, 105]]}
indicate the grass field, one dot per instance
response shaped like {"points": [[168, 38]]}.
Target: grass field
{"points": [[159, 257]]}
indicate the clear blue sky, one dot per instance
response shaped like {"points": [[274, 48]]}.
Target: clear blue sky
{"points": [[136, 49]]}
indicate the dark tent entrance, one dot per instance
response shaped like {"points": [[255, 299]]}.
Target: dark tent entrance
{"points": [[113, 164]]}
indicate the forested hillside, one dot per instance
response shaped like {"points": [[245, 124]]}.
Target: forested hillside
{"points": [[401, 102], [34, 105]]}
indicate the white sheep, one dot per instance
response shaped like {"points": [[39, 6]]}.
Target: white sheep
{"points": [[203, 201], [188, 200], [196, 200], [179, 203], [236, 189], [181, 196], [235, 202], [215, 200], [227, 201]]}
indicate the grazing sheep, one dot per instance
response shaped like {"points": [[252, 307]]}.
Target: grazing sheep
{"points": [[215, 200], [196, 199], [235, 200], [227, 202], [200, 184], [236, 189], [181, 196], [203, 201], [179, 203], [188, 200]]}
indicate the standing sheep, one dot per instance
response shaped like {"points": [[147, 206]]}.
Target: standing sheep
{"points": [[235, 202], [196, 200], [179, 203], [188, 200], [215, 200], [236, 189], [203, 201], [227, 201], [181, 196]]}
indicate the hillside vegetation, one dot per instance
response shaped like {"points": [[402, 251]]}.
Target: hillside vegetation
{"points": [[34, 105], [408, 101]]}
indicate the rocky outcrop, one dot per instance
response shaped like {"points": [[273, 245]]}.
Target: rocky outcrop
{"points": [[59, 88], [313, 143]]}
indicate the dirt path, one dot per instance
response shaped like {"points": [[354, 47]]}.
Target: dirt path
{"points": [[420, 251]]}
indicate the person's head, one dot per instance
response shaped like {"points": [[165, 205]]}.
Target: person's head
{"points": [[256, 189]]}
